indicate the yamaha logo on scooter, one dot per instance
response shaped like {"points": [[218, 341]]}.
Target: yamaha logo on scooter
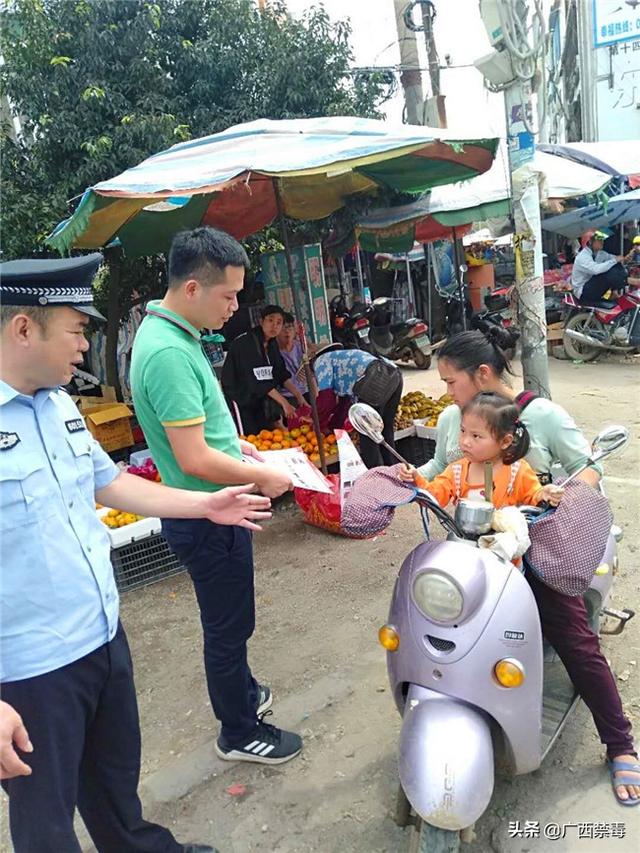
{"points": [[514, 635]]}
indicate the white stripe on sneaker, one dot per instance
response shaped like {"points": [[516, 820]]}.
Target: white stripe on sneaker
{"points": [[252, 744], [267, 750], [259, 747]]}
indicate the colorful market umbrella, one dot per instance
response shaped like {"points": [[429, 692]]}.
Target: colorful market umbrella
{"points": [[228, 179], [618, 209], [459, 205], [617, 158], [241, 179]]}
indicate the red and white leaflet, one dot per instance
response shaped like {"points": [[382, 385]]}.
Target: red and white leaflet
{"points": [[351, 465]]}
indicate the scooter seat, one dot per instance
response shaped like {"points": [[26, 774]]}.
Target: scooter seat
{"points": [[606, 304], [396, 327]]}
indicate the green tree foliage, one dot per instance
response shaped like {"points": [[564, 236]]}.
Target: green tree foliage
{"points": [[99, 85]]}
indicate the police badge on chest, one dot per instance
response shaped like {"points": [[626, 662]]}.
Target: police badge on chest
{"points": [[8, 440]]}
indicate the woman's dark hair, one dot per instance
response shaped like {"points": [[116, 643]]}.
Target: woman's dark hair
{"points": [[289, 319], [502, 416], [268, 310], [468, 350]]}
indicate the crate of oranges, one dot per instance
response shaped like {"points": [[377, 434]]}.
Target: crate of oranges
{"points": [[303, 437], [126, 527]]}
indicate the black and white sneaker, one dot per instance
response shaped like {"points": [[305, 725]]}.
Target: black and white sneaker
{"points": [[267, 745], [265, 699]]}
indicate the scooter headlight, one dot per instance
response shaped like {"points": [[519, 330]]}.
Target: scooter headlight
{"points": [[438, 596]]}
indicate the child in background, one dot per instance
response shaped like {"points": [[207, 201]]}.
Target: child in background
{"points": [[491, 431]]}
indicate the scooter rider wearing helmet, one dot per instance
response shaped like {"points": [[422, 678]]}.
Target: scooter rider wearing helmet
{"points": [[470, 363], [596, 271]]}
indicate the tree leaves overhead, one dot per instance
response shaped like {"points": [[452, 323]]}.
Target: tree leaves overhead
{"points": [[101, 84]]}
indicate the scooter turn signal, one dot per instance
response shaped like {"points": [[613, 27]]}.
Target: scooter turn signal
{"points": [[388, 637], [509, 672]]}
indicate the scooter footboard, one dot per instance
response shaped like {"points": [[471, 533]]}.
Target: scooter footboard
{"points": [[446, 759]]}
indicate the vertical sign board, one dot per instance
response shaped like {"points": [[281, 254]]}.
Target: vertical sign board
{"points": [[616, 37], [615, 21], [308, 276]]}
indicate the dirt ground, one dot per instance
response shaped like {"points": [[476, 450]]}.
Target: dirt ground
{"points": [[320, 601]]}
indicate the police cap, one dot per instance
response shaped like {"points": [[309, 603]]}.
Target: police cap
{"points": [[51, 282]]}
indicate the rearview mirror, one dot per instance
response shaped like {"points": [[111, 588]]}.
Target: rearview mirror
{"points": [[610, 440], [367, 421]]}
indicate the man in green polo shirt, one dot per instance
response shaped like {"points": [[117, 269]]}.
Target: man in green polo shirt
{"points": [[194, 444]]}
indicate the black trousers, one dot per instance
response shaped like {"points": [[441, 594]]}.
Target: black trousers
{"points": [[83, 722], [220, 561], [597, 286], [372, 454]]}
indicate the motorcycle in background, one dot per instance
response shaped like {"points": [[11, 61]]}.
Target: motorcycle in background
{"points": [[349, 326], [407, 340], [604, 326], [467, 664]]}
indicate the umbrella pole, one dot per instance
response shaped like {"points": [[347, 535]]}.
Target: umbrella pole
{"points": [[296, 301], [413, 309], [459, 274], [359, 271], [425, 249]]}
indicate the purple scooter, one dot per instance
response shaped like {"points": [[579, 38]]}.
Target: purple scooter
{"points": [[468, 668]]}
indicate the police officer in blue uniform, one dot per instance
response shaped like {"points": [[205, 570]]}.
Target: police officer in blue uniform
{"points": [[69, 728]]}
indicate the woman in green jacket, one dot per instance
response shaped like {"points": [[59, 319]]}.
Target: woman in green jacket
{"points": [[469, 363]]}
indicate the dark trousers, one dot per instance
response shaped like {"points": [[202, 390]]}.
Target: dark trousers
{"points": [[220, 561], [566, 626], [374, 454], [83, 722], [597, 286]]}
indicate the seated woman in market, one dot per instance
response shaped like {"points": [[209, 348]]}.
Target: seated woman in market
{"points": [[254, 370], [291, 352]]}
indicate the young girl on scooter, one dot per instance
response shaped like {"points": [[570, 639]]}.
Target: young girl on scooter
{"points": [[491, 432]]}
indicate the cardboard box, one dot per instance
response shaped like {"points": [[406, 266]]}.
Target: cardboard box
{"points": [[108, 396], [109, 423], [555, 334]]}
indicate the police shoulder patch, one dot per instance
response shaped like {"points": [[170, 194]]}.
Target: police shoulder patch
{"points": [[8, 440], [75, 425]]}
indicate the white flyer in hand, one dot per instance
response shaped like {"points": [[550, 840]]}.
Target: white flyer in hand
{"points": [[302, 471]]}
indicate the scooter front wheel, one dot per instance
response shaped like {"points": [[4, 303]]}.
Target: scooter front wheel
{"points": [[426, 838]]}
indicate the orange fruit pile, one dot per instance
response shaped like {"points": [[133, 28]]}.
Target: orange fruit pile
{"points": [[303, 437]]}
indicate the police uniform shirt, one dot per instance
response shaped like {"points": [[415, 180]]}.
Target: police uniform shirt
{"points": [[58, 598]]}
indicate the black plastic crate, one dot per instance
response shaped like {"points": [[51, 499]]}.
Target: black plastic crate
{"points": [[416, 450], [143, 562]]}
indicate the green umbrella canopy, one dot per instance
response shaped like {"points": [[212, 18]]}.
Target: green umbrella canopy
{"points": [[227, 180]]}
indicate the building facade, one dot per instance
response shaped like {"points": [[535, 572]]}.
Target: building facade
{"points": [[593, 81]]}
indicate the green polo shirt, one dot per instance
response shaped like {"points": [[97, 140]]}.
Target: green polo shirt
{"points": [[173, 385]]}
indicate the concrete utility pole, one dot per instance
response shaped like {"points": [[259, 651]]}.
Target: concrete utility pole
{"points": [[511, 68], [527, 241], [410, 76], [434, 108]]}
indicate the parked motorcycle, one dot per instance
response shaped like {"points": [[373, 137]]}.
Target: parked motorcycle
{"points": [[349, 326], [468, 668], [602, 326], [407, 340]]}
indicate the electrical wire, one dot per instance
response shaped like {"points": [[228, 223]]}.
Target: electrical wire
{"points": [[525, 57]]}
